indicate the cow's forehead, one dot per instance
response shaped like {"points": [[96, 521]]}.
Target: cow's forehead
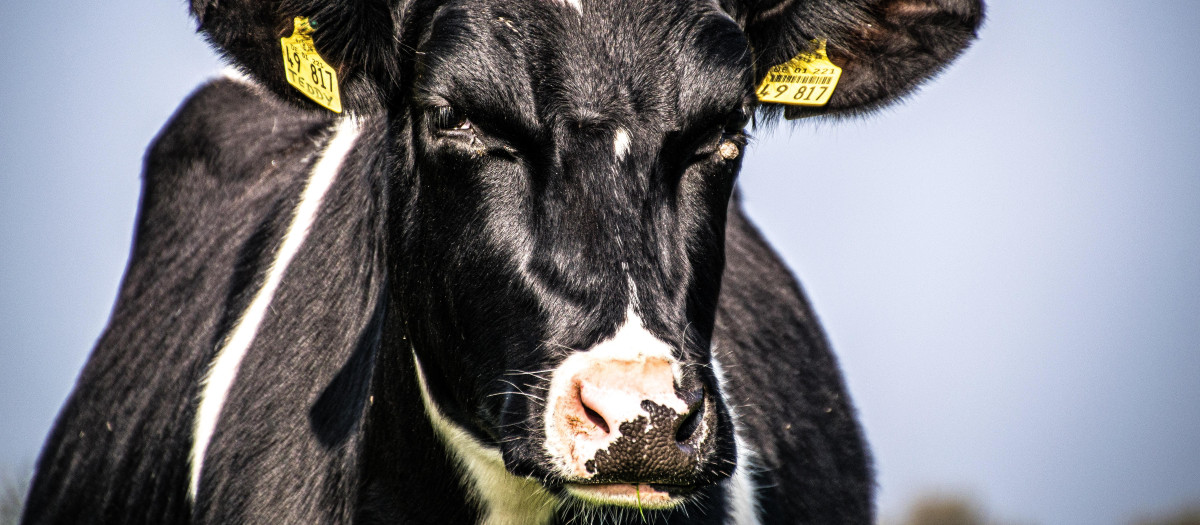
{"points": [[610, 56]]}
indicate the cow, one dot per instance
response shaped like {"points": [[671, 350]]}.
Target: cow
{"points": [[504, 278]]}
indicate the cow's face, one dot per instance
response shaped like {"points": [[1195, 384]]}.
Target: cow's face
{"points": [[560, 179], [564, 246]]}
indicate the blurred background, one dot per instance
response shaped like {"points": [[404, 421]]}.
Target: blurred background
{"points": [[1008, 264]]}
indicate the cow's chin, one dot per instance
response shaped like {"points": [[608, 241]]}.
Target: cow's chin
{"points": [[632, 495]]}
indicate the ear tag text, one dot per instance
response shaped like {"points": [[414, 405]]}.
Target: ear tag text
{"points": [[806, 80], [306, 70]]}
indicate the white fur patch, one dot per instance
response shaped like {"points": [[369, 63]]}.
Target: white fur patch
{"points": [[224, 368], [505, 499], [576, 4], [621, 143], [740, 489], [236, 75]]}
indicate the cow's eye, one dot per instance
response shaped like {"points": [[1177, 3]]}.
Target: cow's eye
{"points": [[736, 122], [733, 136], [446, 118]]}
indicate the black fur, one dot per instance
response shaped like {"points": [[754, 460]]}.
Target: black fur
{"points": [[488, 251]]}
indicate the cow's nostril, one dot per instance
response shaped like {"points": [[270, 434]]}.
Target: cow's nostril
{"points": [[595, 418], [691, 421]]}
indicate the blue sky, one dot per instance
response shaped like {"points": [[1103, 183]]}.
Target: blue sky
{"points": [[1008, 264]]}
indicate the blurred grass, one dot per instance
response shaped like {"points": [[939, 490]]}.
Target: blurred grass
{"points": [[958, 509], [1189, 515], [14, 485], [940, 510]]}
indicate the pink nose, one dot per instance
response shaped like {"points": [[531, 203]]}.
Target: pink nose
{"points": [[624, 421]]}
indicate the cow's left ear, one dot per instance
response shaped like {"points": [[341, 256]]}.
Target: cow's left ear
{"points": [[356, 38], [885, 48]]}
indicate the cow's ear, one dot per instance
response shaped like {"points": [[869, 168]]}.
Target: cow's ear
{"points": [[885, 48], [356, 38]]}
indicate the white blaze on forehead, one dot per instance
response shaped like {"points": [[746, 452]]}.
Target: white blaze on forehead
{"points": [[621, 143], [632, 345]]}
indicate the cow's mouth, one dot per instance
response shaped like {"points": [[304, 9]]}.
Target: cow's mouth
{"points": [[633, 495]]}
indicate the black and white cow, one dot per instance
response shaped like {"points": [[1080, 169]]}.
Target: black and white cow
{"points": [[510, 284]]}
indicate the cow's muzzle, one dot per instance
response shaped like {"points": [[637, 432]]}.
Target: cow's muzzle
{"points": [[625, 428]]}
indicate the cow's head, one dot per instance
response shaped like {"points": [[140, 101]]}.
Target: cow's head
{"points": [[561, 172]]}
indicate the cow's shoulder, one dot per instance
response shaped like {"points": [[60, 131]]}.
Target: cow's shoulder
{"points": [[232, 131], [220, 182]]}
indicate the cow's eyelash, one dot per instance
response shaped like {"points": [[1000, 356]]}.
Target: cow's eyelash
{"points": [[741, 138], [446, 118]]}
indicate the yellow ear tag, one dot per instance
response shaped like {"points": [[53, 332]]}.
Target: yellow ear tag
{"points": [[306, 70], [807, 80]]}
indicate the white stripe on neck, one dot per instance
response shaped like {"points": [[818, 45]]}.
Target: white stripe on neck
{"points": [[503, 498], [224, 368], [740, 492]]}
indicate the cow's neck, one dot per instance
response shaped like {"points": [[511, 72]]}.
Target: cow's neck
{"points": [[503, 499], [407, 474], [423, 466]]}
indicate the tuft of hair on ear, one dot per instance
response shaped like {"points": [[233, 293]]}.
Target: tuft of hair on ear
{"points": [[198, 7], [886, 48], [357, 37]]}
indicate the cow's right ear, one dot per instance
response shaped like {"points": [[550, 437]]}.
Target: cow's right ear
{"points": [[885, 48], [357, 38]]}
